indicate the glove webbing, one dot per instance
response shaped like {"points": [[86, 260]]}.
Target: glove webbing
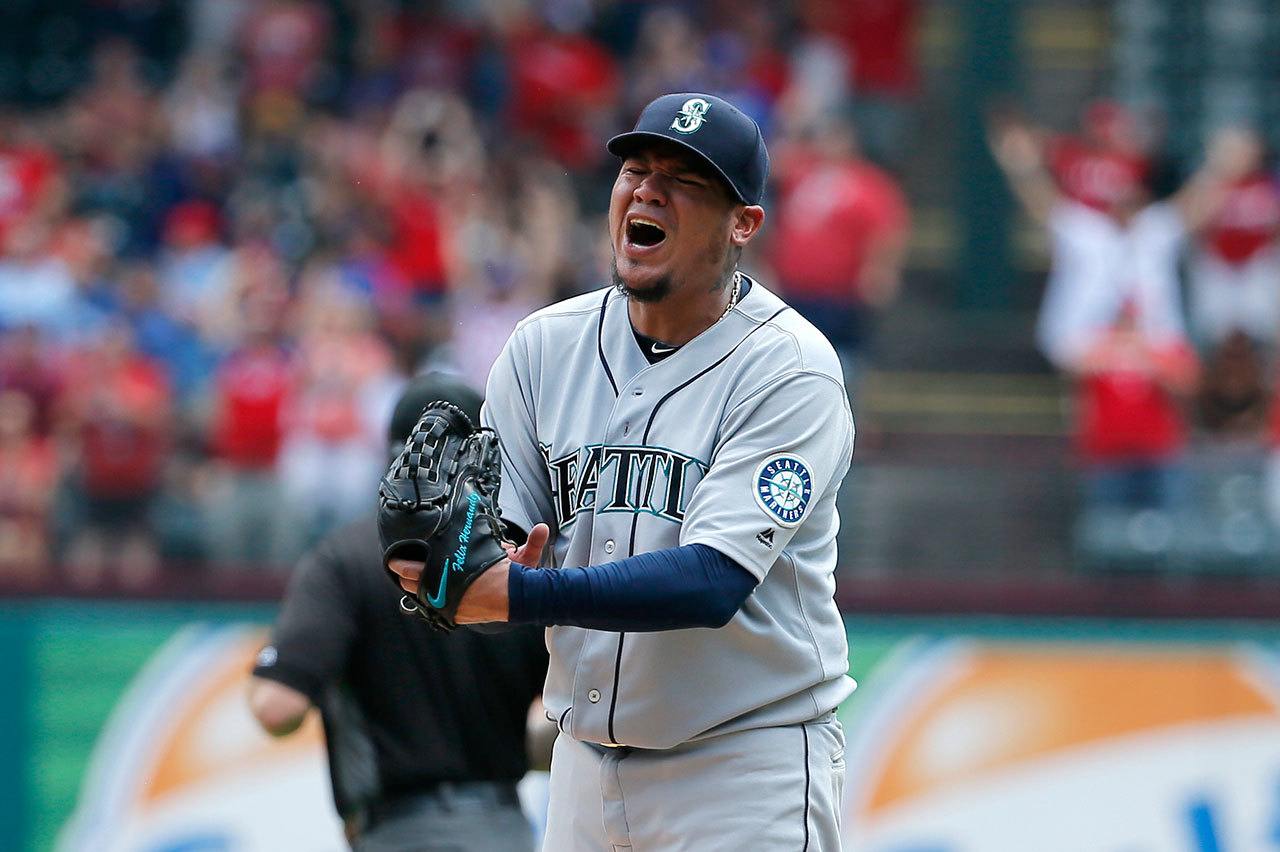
{"points": [[416, 454]]}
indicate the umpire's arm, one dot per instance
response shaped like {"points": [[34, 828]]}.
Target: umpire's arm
{"points": [[279, 709], [309, 646]]}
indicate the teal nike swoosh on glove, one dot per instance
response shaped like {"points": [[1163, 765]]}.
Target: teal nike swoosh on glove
{"points": [[437, 600]]}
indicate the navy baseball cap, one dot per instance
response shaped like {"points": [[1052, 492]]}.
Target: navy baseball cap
{"points": [[722, 135]]}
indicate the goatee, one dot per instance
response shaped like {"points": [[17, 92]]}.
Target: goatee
{"points": [[653, 293]]}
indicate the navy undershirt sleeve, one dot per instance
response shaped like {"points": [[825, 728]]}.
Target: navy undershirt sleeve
{"points": [[693, 585]]}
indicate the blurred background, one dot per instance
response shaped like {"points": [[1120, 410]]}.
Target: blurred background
{"points": [[1043, 236]]}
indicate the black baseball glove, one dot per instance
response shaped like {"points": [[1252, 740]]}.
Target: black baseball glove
{"points": [[438, 504]]}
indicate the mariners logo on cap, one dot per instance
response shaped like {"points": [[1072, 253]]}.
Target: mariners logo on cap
{"points": [[691, 115], [783, 488]]}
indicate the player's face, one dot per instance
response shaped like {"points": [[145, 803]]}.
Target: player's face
{"points": [[671, 223]]}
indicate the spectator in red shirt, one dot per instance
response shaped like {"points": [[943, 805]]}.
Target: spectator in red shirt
{"points": [[430, 150], [251, 388], [28, 476], [428, 161], [1234, 274], [243, 517], [1131, 427], [416, 240], [1111, 318], [31, 184], [1104, 165], [564, 87], [840, 238], [30, 366], [118, 414]]}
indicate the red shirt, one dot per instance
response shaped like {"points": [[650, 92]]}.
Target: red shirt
{"points": [[252, 386], [1127, 416], [123, 451], [24, 174], [1273, 427], [879, 35], [1093, 176], [829, 216], [880, 32], [1248, 222], [768, 73], [416, 251], [561, 84], [35, 371]]}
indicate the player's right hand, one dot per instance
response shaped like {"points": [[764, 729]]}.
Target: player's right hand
{"points": [[529, 553]]}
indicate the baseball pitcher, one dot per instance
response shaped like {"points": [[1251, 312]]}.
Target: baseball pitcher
{"points": [[659, 463]]}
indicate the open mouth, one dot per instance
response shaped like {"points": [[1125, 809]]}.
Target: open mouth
{"points": [[645, 232]]}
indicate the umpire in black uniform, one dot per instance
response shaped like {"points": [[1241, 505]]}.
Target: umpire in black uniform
{"points": [[426, 732]]}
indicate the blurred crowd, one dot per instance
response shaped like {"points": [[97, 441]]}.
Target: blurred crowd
{"points": [[229, 231], [1163, 309]]}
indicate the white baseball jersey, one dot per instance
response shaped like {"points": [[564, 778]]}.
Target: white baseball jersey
{"points": [[738, 441], [1098, 264]]}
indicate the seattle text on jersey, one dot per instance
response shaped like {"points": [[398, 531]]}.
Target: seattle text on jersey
{"points": [[654, 480]]}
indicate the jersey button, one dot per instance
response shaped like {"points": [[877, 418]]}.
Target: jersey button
{"points": [[608, 546], [593, 696]]}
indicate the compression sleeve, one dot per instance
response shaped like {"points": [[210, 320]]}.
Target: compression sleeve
{"points": [[692, 585]]}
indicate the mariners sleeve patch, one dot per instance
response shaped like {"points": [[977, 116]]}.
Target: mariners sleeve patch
{"points": [[783, 487]]}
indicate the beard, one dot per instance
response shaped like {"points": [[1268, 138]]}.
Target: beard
{"points": [[655, 292]]}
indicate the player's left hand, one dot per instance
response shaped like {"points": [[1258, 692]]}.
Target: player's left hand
{"points": [[528, 554]]}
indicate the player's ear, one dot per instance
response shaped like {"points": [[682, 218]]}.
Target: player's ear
{"points": [[747, 222]]}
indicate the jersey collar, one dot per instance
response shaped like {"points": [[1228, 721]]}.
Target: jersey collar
{"points": [[633, 372]]}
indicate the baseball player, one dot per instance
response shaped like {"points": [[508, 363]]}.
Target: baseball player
{"points": [[672, 446]]}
